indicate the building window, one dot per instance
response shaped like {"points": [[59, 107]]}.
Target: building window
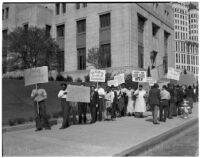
{"points": [[7, 13], [25, 27], [77, 5], [2, 14], [57, 8], [61, 30], [81, 26], [61, 61], [105, 20], [84, 5], [188, 59], [105, 54], [64, 7], [48, 29], [140, 56], [176, 58], [155, 29], [81, 53]]}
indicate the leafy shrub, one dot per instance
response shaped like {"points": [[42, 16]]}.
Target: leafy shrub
{"points": [[31, 119], [12, 122], [87, 78], [69, 79], [108, 76], [60, 78], [20, 120], [48, 116], [78, 80]]}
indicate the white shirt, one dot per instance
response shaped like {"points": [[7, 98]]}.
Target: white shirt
{"points": [[164, 94], [39, 94], [62, 95], [101, 92], [110, 96]]}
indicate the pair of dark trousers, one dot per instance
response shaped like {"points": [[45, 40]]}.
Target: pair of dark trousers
{"points": [[170, 109], [113, 115], [65, 112], [93, 111], [164, 105], [100, 109], [155, 108], [40, 115], [82, 109]]}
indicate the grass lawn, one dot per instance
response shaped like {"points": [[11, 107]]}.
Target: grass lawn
{"points": [[16, 101]]}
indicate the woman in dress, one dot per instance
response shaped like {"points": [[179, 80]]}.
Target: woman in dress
{"points": [[140, 103], [130, 106]]}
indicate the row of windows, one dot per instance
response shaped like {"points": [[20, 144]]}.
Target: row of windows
{"points": [[193, 21], [189, 68], [178, 10], [180, 35], [193, 26], [193, 31], [177, 21], [63, 7], [81, 25], [5, 13], [194, 38], [193, 15], [184, 47], [184, 17], [183, 58], [181, 28]]}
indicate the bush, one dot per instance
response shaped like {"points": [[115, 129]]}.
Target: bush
{"points": [[20, 120], [31, 119], [69, 79], [51, 78], [12, 122], [87, 78], [60, 78], [48, 116], [78, 80]]}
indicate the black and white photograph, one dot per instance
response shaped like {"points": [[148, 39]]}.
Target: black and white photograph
{"points": [[100, 78]]}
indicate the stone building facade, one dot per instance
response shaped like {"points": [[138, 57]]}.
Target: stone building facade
{"points": [[132, 35]]}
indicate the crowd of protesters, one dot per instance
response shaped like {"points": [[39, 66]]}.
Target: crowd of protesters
{"points": [[107, 104]]}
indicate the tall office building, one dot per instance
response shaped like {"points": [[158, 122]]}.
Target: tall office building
{"points": [[186, 37], [130, 35]]}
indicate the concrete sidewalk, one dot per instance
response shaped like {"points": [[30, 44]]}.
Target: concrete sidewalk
{"points": [[100, 139]]}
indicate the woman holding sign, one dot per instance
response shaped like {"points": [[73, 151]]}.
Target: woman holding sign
{"points": [[140, 103]]}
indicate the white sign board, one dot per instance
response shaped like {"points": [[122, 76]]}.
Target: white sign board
{"points": [[151, 81], [112, 82], [78, 94], [139, 76], [36, 75], [119, 78], [97, 75], [173, 74]]}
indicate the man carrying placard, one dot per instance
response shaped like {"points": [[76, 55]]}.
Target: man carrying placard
{"points": [[39, 96]]}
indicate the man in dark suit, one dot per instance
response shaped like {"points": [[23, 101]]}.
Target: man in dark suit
{"points": [[154, 101], [94, 99]]}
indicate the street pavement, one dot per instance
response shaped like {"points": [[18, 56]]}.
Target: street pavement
{"points": [[105, 138]]}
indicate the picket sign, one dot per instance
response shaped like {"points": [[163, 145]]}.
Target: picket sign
{"points": [[173, 73], [78, 94], [150, 81], [139, 76], [120, 78], [97, 75], [112, 82], [36, 75]]}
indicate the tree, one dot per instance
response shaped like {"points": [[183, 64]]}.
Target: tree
{"points": [[33, 47], [96, 57]]}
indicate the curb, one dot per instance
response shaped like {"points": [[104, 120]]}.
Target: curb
{"points": [[27, 126], [144, 146]]}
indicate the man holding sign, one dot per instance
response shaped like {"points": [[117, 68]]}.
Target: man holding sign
{"points": [[39, 96]]}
